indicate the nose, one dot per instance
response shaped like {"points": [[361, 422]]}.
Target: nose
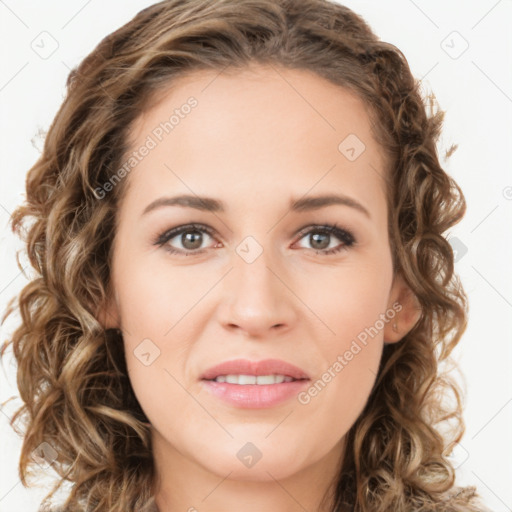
{"points": [[257, 300]]}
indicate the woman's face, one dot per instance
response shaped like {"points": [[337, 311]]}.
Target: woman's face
{"points": [[258, 277]]}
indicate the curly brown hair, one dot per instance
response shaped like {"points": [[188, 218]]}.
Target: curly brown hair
{"points": [[72, 373]]}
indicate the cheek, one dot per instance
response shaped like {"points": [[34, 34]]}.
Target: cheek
{"points": [[157, 296], [159, 308], [352, 309], [337, 396], [336, 399], [347, 300]]}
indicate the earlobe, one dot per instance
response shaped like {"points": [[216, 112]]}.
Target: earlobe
{"points": [[407, 311]]}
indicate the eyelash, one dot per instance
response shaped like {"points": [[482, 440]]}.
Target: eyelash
{"points": [[342, 234]]}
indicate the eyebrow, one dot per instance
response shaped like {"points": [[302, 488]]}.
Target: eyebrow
{"points": [[214, 205]]}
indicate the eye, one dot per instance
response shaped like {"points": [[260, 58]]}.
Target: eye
{"points": [[190, 237], [321, 237]]}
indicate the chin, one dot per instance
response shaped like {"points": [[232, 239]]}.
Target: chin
{"points": [[267, 469], [254, 457]]}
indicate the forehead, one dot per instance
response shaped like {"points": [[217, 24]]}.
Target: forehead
{"points": [[258, 130]]}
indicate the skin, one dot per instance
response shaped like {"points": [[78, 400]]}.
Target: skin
{"points": [[254, 143]]}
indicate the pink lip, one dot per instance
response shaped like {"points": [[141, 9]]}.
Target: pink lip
{"points": [[246, 367], [255, 396]]}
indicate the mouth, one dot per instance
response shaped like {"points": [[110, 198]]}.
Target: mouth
{"points": [[260, 380], [254, 384]]}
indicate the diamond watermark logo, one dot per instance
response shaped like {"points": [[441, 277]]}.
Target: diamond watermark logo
{"points": [[454, 45], [351, 147], [249, 249], [146, 352], [249, 455]]}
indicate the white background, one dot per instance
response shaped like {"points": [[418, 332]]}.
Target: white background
{"points": [[475, 90]]}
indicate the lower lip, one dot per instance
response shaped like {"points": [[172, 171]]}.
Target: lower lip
{"points": [[255, 396]]}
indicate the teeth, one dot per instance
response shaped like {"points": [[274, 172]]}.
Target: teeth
{"points": [[253, 379]]}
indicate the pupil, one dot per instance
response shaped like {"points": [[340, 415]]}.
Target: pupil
{"points": [[315, 239], [191, 239]]}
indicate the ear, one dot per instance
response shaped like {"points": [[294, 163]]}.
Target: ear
{"points": [[407, 311], [107, 313]]}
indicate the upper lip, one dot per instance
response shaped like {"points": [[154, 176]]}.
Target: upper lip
{"points": [[246, 367]]}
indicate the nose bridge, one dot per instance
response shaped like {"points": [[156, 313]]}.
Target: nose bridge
{"points": [[255, 298]]}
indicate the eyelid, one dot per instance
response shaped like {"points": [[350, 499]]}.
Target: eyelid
{"points": [[164, 237], [343, 234]]}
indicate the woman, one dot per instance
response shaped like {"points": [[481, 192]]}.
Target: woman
{"points": [[244, 291]]}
